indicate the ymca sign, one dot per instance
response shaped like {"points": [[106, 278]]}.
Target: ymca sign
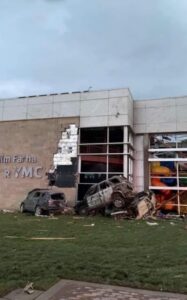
{"points": [[20, 166]]}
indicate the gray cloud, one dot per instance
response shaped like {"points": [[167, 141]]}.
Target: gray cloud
{"points": [[65, 45]]}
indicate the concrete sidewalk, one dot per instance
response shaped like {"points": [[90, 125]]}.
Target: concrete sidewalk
{"points": [[75, 290]]}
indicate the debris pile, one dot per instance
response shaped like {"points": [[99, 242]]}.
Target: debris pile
{"points": [[116, 197], [29, 288]]}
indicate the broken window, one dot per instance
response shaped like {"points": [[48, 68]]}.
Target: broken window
{"points": [[104, 185], [115, 180], [58, 196]]}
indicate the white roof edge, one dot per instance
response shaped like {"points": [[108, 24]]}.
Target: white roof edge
{"points": [[162, 98], [67, 93]]}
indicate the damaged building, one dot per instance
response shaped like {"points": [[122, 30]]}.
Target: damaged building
{"points": [[71, 141]]}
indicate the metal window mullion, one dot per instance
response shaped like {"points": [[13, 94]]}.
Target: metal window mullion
{"points": [[125, 150], [167, 159], [167, 149], [178, 196], [152, 187], [107, 156], [125, 134]]}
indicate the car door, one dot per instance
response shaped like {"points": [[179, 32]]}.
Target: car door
{"points": [[34, 200], [28, 201], [105, 191], [92, 197], [43, 200]]}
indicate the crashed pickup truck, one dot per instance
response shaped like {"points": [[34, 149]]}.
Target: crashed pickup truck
{"points": [[116, 194]]}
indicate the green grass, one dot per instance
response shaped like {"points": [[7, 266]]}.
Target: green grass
{"points": [[127, 253]]}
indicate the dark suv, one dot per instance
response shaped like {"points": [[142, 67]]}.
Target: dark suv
{"points": [[39, 201]]}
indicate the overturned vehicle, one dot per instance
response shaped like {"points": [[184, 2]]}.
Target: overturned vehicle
{"points": [[114, 195]]}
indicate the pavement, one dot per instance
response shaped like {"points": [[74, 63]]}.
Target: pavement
{"points": [[77, 290]]}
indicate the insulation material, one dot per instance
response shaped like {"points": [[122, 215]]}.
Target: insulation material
{"points": [[67, 147]]}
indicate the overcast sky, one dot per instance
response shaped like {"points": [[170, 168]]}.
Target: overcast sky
{"points": [[53, 46]]}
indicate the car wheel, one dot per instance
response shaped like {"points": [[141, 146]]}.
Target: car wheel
{"points": [[83, 211], [38, 211], [22, 208], [118, 201]]}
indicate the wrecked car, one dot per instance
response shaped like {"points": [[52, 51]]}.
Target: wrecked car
{"points": [[43, 201], [104, 196], [116, 194], [143, 205]]}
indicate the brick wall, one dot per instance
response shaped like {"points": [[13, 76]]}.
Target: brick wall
{"points": [[38, 138]]}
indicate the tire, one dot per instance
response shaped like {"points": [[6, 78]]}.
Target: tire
{"points": [[83, 211], [22, 208], [93, 212], [38, 211], [118, 201]]}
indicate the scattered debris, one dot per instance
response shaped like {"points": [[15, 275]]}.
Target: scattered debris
{"points": [[53, 218], [7, 211], [152, 223], [40, 238], [13, 237], [171, 223], [29, 288], [178, 276], [52, 238], [89, 225], [118, 215], [68, 211], [144, 203]]}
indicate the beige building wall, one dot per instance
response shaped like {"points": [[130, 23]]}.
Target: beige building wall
{"points": [[106, 108], [30, 145], [160, 115]]}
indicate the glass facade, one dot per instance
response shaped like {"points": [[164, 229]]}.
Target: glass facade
{"points": [[168, 171], [103, 153]]}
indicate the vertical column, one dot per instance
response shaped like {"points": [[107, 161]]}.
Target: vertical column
{"points": [[125, 151], [146, 163], [138, 166], [107, 154]]}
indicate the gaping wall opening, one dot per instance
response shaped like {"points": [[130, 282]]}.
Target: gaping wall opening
{"points": [[103, 153], [64, 169]]}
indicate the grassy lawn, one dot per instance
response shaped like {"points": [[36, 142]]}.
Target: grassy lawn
{"points": [[128, 253]]}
